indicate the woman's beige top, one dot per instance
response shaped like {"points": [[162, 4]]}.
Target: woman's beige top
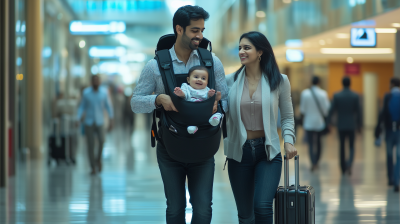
{"points": [[251, 108]]}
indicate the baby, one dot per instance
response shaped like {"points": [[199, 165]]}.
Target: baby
{"points": [[198, 91]]}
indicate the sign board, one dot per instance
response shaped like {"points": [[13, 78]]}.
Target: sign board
{"points": [[352, 69], [81, 27], [363, 37]]}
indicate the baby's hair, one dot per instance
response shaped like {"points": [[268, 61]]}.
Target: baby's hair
{"points": [[197, 67]]}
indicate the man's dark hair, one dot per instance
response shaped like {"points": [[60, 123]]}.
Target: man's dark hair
{"points": [[94, 77], [395, 81], [346, 81], [186, 13], [197, 67], [315, 80]]}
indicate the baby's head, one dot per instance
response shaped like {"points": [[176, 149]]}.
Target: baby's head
{"points": [[198, 77]]}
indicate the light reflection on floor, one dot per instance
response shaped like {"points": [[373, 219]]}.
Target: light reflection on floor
{"points": [[130, 189]]}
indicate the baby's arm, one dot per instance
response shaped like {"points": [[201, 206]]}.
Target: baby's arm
{"points": [[178, 91]]}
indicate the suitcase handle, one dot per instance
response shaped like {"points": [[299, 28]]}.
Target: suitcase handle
{"points": [[286, 183]]}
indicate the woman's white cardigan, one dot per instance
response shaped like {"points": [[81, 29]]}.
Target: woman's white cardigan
{"points": [[271, 101]]}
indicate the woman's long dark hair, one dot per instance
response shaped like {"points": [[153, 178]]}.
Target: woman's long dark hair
{"points": [[268, 63]]}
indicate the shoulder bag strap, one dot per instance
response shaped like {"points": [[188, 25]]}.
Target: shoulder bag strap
{"points": [[316, 101]]}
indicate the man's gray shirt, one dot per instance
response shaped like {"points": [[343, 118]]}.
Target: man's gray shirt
{"points": [[150, 81]]}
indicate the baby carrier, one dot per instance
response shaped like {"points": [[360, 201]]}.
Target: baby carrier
{"points": [[180, 145]]}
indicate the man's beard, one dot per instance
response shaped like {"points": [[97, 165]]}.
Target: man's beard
{"points": [[189, 42]]}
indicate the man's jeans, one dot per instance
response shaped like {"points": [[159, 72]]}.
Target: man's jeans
{"points": [[314, 145], [350, 134], [200, 185], [254, 181], [393, 141]]}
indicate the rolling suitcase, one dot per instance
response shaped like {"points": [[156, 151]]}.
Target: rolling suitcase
{"points": [[62, 141], [294, 204]]}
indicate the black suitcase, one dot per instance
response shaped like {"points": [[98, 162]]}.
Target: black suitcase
{"points": [[57, 148], [62, 143], [294, 204]]}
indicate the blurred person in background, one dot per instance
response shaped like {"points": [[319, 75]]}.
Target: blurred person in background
{"points": [[347, 105], [314, 106], [390, 118], [128, 118], [95, 101]]}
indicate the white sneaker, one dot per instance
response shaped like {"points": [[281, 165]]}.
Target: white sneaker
{"points": [[215, 119], [192, 129]]}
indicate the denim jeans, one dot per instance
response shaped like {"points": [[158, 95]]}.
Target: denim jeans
{"points": [[254, 181], [314, 145], [200, 185], [342, 137], [393, 141]]}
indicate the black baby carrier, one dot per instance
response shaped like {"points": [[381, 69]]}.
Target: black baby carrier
{"points": [[173, 134]]}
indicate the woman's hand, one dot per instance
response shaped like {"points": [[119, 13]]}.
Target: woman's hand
{"points": [[290, 150]]}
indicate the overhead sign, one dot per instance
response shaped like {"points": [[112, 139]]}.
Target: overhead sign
{"points": [[96, 27], [293, 55], [363, 37]]}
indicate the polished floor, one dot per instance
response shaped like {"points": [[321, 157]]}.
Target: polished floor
{"points": [[130, 190]]}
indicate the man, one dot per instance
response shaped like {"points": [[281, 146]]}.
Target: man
{"points": [[390, 117], [95, 101], [347, 105], [188, 25], [314, 121]]}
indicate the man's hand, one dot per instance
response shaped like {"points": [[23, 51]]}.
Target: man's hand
{"points": [[166, 102], [290, 150], [217, 98], [111, 125]]}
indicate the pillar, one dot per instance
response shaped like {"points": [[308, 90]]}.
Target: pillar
{"points": [[397, 55], [34, 79], [4, 73], [370, 99]]}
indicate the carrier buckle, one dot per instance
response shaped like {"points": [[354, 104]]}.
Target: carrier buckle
{"points": [[208, 63], [165, 66]]}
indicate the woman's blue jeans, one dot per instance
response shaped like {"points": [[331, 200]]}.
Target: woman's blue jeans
{"points": [[254, 182]]}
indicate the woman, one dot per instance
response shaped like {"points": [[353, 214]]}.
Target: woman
{"points": [[252, 147]]}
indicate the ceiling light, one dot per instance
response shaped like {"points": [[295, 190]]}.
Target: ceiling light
{"points": [[287, 1], [356, 50], [350, 60], [385, 30], [260, 14], [82, 44], [293, 43], [321, 42], [396, 24], [342, 35]]}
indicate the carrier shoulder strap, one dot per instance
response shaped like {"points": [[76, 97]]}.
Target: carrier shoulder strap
{"points": [[206, 60], [165, 66], [164, 62]]}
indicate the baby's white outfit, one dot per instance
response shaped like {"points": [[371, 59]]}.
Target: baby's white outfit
{"points": [[198, 95], [194, 95]]}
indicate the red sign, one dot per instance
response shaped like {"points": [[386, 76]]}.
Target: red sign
{"points": [[352, 69]]}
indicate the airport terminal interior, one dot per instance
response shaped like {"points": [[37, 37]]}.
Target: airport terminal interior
{"points": [[51, 49]]}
